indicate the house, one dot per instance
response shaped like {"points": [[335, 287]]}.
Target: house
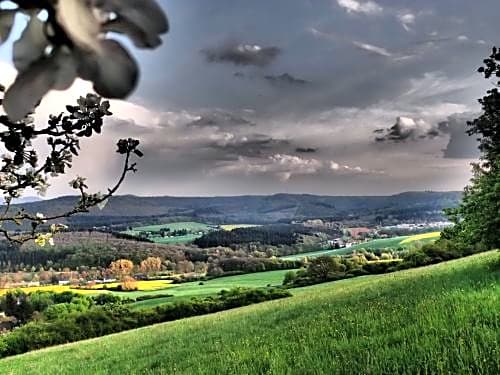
{"points": [[337, 243]]}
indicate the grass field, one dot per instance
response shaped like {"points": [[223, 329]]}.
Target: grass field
{"points": [[190, 226], [439, 319], [194, 289], [177, 291], [383, 243]]}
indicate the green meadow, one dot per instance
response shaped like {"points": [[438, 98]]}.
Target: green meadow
{"points": [[441, 319], [393, 243], [192, 227], [210, 287]]}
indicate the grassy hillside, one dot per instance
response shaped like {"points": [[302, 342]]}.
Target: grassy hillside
{"points": [[439, 319], [384, 243]]}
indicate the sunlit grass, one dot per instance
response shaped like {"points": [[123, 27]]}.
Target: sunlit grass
{"points": [[441, 319]]}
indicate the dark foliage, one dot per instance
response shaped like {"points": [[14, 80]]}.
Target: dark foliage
{"points": [[477, 219], [269, 235]]}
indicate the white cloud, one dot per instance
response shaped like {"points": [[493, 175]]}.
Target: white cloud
{"points": [[374, 49], [437, 83], [462, 38], [334, 166], [284, 167], [364, 7], [407, 20]]}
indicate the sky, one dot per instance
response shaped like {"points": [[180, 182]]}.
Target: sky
{"points": [[331, 97]]}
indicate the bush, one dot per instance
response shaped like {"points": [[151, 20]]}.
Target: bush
{"points": [[290, 278]]}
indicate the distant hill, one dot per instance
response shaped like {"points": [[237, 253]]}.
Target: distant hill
{"points": [[23, 200], [257, 209]]}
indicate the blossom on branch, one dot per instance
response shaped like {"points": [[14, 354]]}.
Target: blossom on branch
{"points": [[66, 39]]}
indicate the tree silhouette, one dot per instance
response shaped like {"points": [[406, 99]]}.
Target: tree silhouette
{"points": [[477, 219]]}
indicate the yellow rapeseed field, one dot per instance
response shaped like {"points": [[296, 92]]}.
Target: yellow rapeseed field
{"points": [[423, 236], [230, 227], [147, 285], [141, 285], [51, 288]]}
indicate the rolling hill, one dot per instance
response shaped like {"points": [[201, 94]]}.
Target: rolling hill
{"points": [[255, 209], [443, 318]]}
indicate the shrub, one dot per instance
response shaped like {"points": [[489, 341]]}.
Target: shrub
{"points": [[290, 278]]}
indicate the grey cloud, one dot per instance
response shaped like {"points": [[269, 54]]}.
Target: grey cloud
{"points": [[221, 120], [460, 145], [252, 145], [372, 90], [406, 128], [242, 54], [285, 80]]}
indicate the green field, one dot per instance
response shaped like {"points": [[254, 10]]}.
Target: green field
{"points": [[439, 319], [383, 243], [190, 226], [194, 289]]}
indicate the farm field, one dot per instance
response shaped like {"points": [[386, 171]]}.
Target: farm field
{"points": [[383, 243], [143, 286], [230, 227], [189, 225], [192, 227], [177, 291], [194, 289], [443, 318], [54, 288]]}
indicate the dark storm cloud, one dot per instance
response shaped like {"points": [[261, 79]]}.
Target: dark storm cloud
{"points": [[305, 150], [285, 80], [242, 54], [460, 145]]}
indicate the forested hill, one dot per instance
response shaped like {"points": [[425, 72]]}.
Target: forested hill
{"points": [[259, 209]]}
